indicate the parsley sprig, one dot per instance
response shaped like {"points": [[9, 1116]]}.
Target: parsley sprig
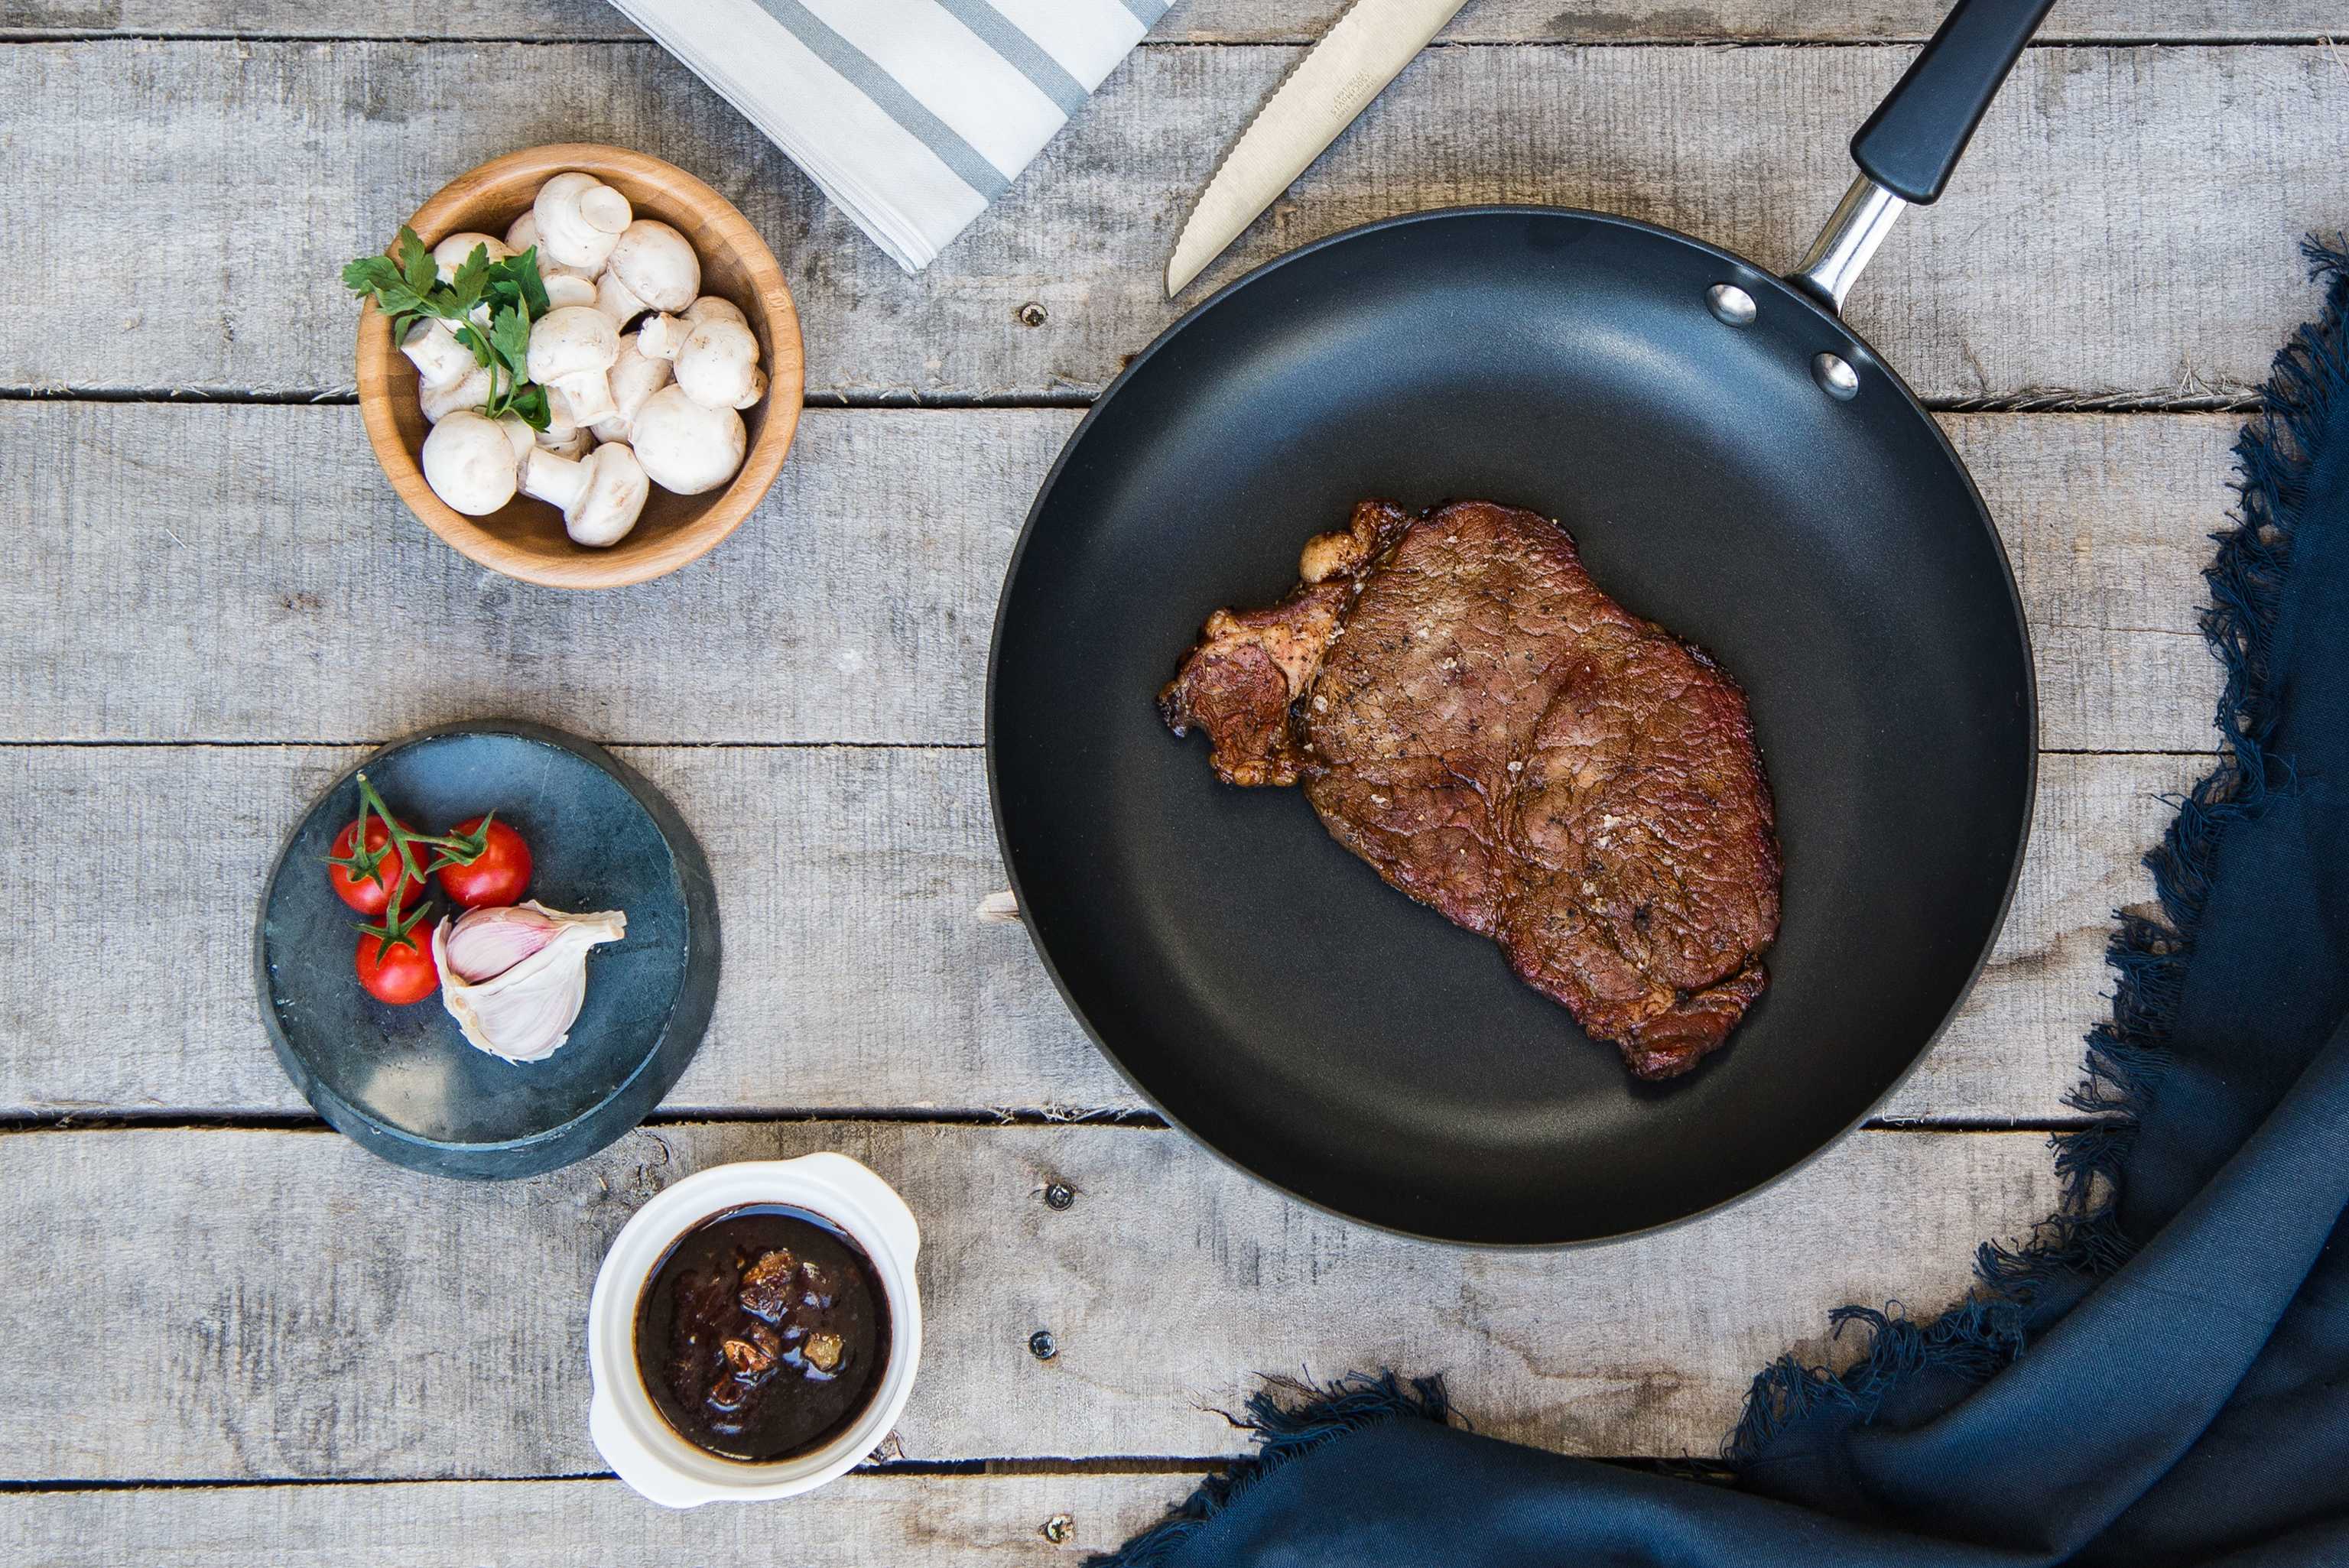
{"points": [[408, 286]]}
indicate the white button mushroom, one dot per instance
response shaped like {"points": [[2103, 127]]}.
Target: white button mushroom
{"points": [[685, 447], [573, 445], [571, 350], [600, 498], [471, 390], [710, 308], [450, 254], [664, 334], [580, 220], [718, 365], [519, 434], [661, 337], [523, 235], [559, 422], [655, 264], [566, 289], [437, 355], [613, 298], [634, 378], [470, 463]]}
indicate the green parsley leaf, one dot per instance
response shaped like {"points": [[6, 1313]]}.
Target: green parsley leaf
{"points": [[471, 278], [472, 337], [370, 275], [530, 402], [524, 271], [406, 286], [415, 263], [510, 334]]}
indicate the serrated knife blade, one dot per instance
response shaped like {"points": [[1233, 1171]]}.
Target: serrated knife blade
{"points": [[1364, 51]]}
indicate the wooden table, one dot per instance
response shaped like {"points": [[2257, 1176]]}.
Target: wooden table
{"points": [[212, 604]]}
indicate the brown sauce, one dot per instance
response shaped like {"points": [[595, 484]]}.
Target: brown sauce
{"points": [[762, 1334]]}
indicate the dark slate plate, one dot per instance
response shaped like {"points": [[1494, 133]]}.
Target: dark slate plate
{"points": [[401, 1080]]}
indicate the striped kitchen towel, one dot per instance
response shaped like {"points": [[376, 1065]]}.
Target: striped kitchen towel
{"points": [[912, 115]]}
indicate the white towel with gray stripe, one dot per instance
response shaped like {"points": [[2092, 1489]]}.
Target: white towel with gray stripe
{"points": [[912, 115]]}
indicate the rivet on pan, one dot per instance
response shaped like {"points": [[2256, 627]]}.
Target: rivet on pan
{"points": [[1042, 1345], [1835, 378], [1059, 1195], [1732, 304], [1059, 1528]]}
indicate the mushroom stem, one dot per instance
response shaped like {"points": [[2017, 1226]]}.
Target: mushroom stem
{"points": [[601, 497], [471, 390], [661, 337], [573, 445], [434, 350], [571, 349], [554, 479], [587, 396], [634, 378]]}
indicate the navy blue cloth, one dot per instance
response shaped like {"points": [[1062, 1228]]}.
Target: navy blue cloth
{"points": [[2162, 1377]]}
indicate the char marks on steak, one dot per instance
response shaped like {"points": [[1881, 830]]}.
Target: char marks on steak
{"points": [[1473, 716]]}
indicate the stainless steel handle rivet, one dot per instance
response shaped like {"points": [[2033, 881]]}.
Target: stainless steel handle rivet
{"points": [[1730, 303], [1835, 378]]}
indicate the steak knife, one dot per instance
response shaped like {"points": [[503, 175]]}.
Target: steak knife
{"points": [[1356, 59]]}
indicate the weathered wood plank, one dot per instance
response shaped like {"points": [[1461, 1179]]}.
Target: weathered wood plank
{"points": [[2127, 222], [155, 599], [856, 975], [306, 1310], [1213, 21], [862, 1521]]}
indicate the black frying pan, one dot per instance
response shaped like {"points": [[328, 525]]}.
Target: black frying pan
{"points": [[1767, 487]]}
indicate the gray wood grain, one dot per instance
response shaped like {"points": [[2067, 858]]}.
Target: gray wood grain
{"points": [[158, 599], [2125, 224], [857, 975], [1213, 21], [862, 1521], [282, 1304]]}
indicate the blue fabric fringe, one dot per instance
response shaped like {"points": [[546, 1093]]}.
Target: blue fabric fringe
{"points": [[1288, 1418], [2084, 1241]]}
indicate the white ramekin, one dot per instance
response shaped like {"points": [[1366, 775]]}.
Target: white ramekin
{"points": [[630, 1433]]}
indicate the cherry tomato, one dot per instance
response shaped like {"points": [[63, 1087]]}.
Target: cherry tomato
{"points": [[398, 973], [499, 878], [361, 892]]}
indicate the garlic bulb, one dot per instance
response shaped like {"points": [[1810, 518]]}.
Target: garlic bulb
{"points": [[514, 979], [486, 943]]}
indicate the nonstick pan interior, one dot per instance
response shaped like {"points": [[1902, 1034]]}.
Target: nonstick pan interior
{"points": [[1265, 988]]}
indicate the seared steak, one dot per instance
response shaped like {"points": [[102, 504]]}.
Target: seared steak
{"points": [[1470, 713]]}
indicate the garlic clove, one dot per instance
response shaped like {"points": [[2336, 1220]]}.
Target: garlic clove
{"points": [[523, 1012], [485, 942]]}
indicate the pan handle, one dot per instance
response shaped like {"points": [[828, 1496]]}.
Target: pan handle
{"points": [[1908, 147]]}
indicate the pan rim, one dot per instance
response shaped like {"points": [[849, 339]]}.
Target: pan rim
{"points": [[1263, 270]]}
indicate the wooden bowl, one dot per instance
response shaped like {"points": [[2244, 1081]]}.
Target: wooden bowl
{"points": [[525, 540]]}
